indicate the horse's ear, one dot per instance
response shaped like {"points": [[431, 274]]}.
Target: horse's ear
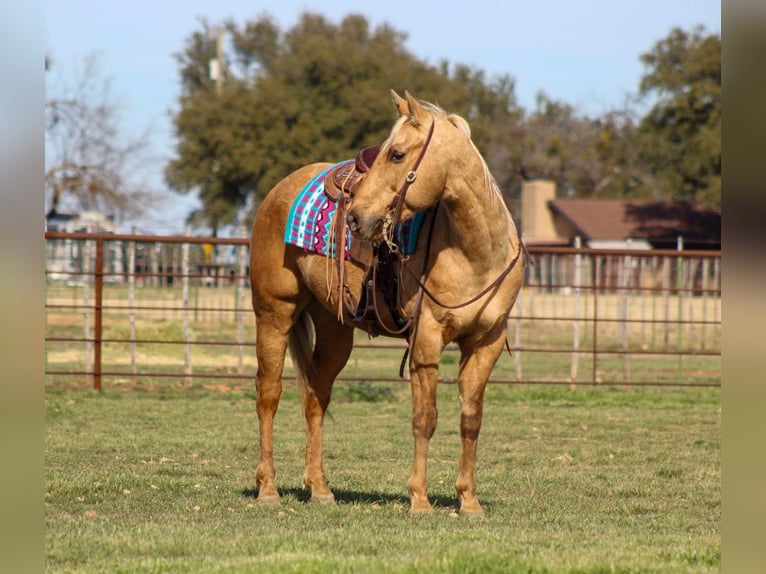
{"points": [[417, 111], [401, 104]]}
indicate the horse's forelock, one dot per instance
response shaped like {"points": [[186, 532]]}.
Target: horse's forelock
{"points": [[410, 120], [397, 125]]}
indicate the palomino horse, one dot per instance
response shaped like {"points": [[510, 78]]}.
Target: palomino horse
{"points": [[458, 285]]}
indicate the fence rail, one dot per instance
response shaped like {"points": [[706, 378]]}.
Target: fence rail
{"points": [[120, 306]]}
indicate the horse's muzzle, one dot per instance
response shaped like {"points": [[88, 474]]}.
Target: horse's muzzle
{"points": [[364, 228]]}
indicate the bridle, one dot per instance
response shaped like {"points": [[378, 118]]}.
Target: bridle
{"points": [[394, 210]]}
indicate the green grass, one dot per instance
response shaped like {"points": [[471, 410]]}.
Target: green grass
{"points": [[596, 480]]}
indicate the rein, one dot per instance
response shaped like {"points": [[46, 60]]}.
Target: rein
{"points": [[421, 283]]}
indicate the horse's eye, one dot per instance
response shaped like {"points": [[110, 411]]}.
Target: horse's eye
{"points": [[395, 155]]}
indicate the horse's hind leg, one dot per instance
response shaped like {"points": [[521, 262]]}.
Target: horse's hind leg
{"points": [[271, 344], [476, 363], [331, 351]]}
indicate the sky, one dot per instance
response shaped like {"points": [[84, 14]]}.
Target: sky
{"points": [[584, 53]]}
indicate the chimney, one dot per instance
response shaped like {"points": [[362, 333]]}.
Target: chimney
{"points": [[536, 217]]}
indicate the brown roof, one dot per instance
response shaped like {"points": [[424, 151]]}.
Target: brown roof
{"points": [[655, 221]]}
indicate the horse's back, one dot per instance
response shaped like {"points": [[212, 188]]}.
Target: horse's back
{"points": [[273, 211], [272, 266]]}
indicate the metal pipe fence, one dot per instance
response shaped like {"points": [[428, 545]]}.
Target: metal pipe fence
{"points": [[140, 309]]}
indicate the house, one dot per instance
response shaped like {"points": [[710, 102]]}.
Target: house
{"points": [[85, 221], [615, 223], [69, 260]]}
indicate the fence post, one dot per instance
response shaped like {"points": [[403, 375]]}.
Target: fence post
{"points": [[642, 298], [185, 305], [517, 336], [705, 299], [99, 286], [596, 267], [544, 289], [85, 268], [154, 267], [623, 285], [680, 285], [576, 325], [666, 298], [240, 307], [132, 304], [554, 279]]}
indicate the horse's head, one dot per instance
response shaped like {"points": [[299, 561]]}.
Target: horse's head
{"points": [[409, 173]]}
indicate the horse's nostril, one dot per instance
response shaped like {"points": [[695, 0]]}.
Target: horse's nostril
{"points": [[353, 222]]}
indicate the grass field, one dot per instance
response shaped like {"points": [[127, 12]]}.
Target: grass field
{"points": [[597, 480]]}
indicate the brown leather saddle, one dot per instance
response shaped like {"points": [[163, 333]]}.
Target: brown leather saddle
{"points": [[339, 186], [346, 176]]}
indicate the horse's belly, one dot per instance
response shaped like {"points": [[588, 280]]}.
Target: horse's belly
{"points": [[320, 274]]}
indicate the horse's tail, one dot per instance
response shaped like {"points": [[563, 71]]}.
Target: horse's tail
{"points": [[301, 345]]}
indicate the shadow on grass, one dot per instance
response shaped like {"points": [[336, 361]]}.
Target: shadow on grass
{"points": [[356, 497]]}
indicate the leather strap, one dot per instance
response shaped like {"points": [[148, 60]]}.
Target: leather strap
{"points": [[487, 289]]}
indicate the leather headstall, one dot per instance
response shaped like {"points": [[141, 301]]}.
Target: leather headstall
{"points": [[394, 211]]}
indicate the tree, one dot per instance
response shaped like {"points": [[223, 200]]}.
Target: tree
{"points": [[318, 92], [586, 157], [90, 163], [673, 152], [680, 137]]}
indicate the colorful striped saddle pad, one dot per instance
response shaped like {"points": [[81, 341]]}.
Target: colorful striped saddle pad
{"points": [[312, 213]]}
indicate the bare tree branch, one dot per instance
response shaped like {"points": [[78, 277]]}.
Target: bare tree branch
{"points": [[90, 163]]}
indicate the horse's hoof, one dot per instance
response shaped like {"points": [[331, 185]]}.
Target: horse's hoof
{"points": [[471, 512], [421, 510], [323, 498], [268, 500]]}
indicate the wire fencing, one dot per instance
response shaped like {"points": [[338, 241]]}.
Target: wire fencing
{"points": [[148, 310]]}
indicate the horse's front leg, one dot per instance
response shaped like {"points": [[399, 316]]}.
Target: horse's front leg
{"points": [[424, 371], [476, 363]]}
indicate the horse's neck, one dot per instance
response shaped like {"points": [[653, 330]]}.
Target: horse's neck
{"points": [[479, 223]]}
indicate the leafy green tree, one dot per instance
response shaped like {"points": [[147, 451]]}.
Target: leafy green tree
{"points": [[317, 92], [680, 137], [673, 152], [586, 157]]}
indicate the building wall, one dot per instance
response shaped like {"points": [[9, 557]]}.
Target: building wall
{"points": [[537, 224]]}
